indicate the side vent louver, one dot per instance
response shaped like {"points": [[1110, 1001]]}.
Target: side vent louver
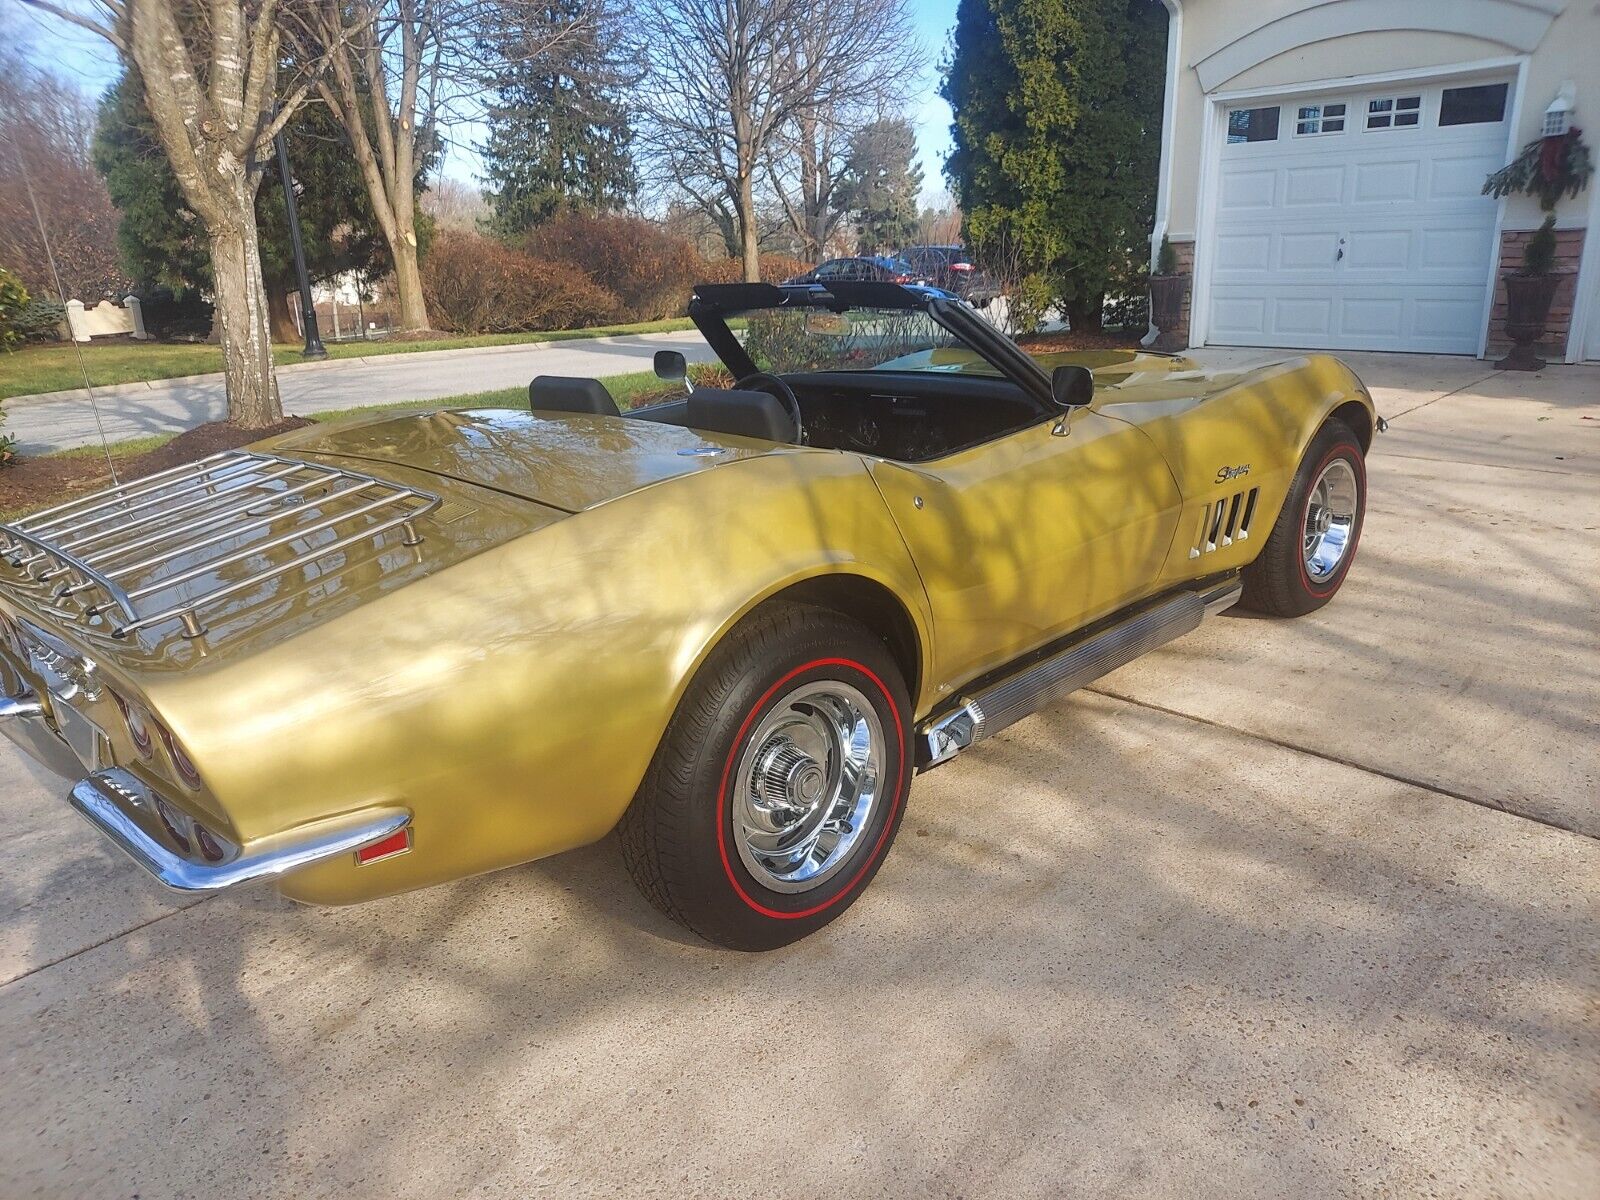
{"points": [[1224, 522]]}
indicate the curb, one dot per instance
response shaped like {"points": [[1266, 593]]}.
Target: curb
{"points": [[150, 385]]}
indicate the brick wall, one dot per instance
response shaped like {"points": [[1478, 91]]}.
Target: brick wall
{"points": [[1569, 247], [1178, 339]]}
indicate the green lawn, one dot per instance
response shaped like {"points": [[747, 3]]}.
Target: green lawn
{"points": [[55, 368]]}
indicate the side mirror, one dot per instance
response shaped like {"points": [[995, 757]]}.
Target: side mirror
{"points": [[1071, 387], [671, 366]]}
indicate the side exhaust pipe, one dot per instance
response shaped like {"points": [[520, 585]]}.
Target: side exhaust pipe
{"points": [[985, 712]]}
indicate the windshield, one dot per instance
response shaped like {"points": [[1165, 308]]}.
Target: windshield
{"points": [[788, 340]]}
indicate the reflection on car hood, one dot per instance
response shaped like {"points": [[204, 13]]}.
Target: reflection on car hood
{"points": [[566, 462]]}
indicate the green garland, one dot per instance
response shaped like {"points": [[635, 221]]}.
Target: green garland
{"points": [[1548, 167]]}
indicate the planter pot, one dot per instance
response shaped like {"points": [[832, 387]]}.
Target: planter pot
{"points": [[1527, 310], [1166, 309]]}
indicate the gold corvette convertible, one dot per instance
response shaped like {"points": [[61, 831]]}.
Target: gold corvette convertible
{"points": [[731, 625]]}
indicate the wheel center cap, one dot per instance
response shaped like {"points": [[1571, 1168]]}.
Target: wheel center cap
{"points": [[805, 783]]}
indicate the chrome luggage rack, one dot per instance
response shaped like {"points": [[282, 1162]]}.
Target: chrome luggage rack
{"points": [[120, 550]]}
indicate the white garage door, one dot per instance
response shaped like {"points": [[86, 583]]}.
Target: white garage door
{"points": [[1356, 221]]}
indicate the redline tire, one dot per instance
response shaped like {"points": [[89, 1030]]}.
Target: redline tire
{"points": [[1297, 572], [705, 838]]}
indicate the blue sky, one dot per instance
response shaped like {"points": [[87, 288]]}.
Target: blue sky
{"points": [[92, 62]]}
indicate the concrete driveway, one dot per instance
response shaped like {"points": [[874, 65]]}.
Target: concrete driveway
{"points": [[65, 420], [1287, 909]]}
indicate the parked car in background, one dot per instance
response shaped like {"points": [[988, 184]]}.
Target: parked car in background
{"points": [[877, 269], [952, 269]]}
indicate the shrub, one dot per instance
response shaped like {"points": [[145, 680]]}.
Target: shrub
{"points": [[1126, 312], [1166, 258], [474, 284], [174, 316], [39, 320], [649, 270], [775, 268], [1539, 255], [710, 375], [13, 299]]}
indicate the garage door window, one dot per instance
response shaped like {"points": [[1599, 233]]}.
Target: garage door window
{"points": [[1485, 105], [1319, 118], [1394, 112], [1252, 124]]}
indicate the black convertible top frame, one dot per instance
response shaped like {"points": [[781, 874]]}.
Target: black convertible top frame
{"points": [[713, 303]]}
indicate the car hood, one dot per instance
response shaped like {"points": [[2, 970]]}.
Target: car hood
{"points": [[567, 462]]}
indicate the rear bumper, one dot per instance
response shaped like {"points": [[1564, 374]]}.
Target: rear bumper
{"points": [[23, 723], [123, 808]]}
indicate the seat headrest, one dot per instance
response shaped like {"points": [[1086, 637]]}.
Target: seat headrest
{"points": [[566, 394], [743, 413]]}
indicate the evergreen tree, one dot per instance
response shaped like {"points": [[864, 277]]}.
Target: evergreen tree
{"points": [[881, 185], [1057, 139], [558, 131], [162, 242]]}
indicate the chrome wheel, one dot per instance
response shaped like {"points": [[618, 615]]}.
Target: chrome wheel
{"points": [[1330, 520], [809, 780]]}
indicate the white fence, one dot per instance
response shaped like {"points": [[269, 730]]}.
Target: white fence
{"points": [[105, 320]]}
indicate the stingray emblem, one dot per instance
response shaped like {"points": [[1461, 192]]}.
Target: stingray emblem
{"points": [[1226, 473]]}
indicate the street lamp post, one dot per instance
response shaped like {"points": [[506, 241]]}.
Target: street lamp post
{"points": [[308, 311]]}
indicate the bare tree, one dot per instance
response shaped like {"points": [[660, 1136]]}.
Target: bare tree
{"points": [[211, 80], [455, 205], [410, 68], [807, 160], [46, 147], [728, 79], [805, 167]]}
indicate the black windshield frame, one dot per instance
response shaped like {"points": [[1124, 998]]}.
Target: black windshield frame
{"points": [[714, 303]]}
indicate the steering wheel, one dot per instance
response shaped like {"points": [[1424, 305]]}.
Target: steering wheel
{"points": [[761, 381]]}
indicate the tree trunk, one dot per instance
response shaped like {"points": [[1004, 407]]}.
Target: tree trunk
{"points": [[408, 285], [749, 239], [241, 317], [280, 314], [1084, 314]]}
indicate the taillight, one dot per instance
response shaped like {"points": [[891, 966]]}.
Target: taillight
{"points": [[902, 279], [138, 722], [180, 760], [210, 849], [961, 266], [177, 825]]}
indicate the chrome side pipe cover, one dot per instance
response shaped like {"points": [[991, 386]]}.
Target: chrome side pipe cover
{"points": [[985, 712]]}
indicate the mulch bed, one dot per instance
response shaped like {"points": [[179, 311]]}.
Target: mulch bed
{"points": [[1053, 343], [30, 483]]}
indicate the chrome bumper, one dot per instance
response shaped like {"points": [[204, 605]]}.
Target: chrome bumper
{"points": [[23, 723], [118, 804]]}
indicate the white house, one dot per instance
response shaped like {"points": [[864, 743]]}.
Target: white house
{"points": [[1322, 167]]}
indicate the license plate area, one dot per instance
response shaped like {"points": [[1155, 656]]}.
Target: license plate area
{"points": [[86, 739]]}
